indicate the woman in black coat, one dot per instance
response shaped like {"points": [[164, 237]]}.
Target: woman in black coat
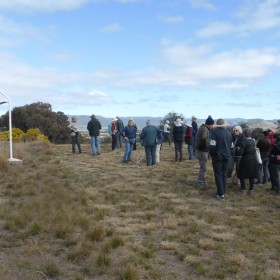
{"points": [[248, 166]]}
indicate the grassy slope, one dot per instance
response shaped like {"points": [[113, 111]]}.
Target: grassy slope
{"points": [[67, 216]]}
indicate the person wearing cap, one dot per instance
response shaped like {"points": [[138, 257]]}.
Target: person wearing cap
{"points": [[194, 131], [148, 137], [264, 145], [166, 132], [248, 166], [113, 131], [74, 135], [202, 149], [220, 151], [178, 138], [236, 150], [93, 128]]}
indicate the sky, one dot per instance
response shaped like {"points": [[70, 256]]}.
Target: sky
{"points": [[142, 57]]}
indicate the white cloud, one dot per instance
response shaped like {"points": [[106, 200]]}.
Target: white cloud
{"points": [[172, 19], [252, 18], [202, 4], [115, 27]]}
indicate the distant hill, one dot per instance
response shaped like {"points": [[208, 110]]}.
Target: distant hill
{"points": [[141, 122]]}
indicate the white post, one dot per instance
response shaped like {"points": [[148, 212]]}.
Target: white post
{"points": [[11, 159]]}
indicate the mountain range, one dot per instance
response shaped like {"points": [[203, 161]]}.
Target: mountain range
{"points": [[141, 122]]}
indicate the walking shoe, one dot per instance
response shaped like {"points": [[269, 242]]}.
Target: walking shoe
{"points": [[125, 161], [241, 192], [274, 192], [250, 191], [220, 197]]}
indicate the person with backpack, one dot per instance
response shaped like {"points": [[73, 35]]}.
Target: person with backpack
{"points": [[93, 128], [189, 140]]}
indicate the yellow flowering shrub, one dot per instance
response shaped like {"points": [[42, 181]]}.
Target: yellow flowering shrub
{"points": [[32, 134]]}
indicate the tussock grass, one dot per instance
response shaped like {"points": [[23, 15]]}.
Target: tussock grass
{"points": [[76, 217]]}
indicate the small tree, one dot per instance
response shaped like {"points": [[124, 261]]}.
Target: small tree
{"points": [[172, 117]]}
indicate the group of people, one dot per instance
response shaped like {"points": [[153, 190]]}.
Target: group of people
{"points": [[228, 151]]}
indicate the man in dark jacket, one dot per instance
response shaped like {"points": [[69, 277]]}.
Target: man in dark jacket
{"points": [[220, 151], [93, 128], [202, 146], [274, 165], [264, 146]]}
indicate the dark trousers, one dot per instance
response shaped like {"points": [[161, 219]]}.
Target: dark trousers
{"points": [[150, 155], [75, 141], [220, 167], [274, 170], [167, 138], [178, 150], [114, 141], [251, 183]]}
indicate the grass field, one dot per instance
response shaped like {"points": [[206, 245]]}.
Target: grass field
{"points": [[75, 217]]}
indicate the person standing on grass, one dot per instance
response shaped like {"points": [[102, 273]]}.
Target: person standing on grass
{"points": [[166, 132], [264, 145], [237, 150], [74, 135], [113, 131], [189, 140], [248, 166], [194, 131], [129, 133], [178, 138], [149, 138], [120, 127], [93, 128], [158, 147], [202, 149], [220, 151], [274, 165]]}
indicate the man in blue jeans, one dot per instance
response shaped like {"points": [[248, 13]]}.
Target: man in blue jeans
{"points": [[220, 151], [129, 134], [93, 128]]}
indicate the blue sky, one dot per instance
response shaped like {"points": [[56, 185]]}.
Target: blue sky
{"points": [[143, 57]]}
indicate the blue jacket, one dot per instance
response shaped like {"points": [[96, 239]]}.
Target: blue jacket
{"points": [[129, 132]]}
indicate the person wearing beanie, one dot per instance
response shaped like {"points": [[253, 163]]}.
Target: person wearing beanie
{"points": [[220, 151], [237, 149], [202, 149], [264, 146]]}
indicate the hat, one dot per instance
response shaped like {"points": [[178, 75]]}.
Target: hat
{"points": [[237, 127], [92, 116], [209, 121], [178, 122], [188, 124], [220, 123], [167, 121], [114, 119], [74, 119], [194, 117]]}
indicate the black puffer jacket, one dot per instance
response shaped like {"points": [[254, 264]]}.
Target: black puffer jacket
{"points": [[274, 157], [264, 145], [248, 166]]}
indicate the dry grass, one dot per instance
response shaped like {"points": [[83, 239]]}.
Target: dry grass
{"points": [[67, 216]]}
